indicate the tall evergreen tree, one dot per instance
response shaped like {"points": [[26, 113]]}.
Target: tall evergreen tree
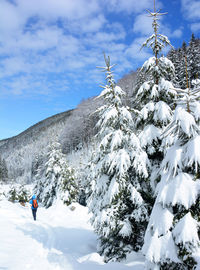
{"points": [[3, 170], [154, 97], [181, 67], [67, 185], [172, 236], [59, 179], [177, 57], [115, 202]]}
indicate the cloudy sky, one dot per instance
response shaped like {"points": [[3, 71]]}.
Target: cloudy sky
{"points": [[49, 50]]}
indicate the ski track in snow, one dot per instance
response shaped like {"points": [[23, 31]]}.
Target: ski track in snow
{"points": [[60, 239]]}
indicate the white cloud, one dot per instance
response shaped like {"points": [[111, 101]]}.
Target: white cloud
{"points": [[177, 33], [48, 37], [195, 27], [106, 37], [165, 29], [130, 6], [43, 39], [191, 9], [24, 85], [75, 9], [19, 85], [13, 65], [10, 18], [136, 52], [89, 24], [143, 24]]}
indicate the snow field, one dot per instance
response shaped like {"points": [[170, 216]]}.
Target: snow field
{"points": [[61, 239]]}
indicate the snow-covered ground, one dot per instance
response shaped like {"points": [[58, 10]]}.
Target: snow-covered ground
{"points": [[59, 239]]}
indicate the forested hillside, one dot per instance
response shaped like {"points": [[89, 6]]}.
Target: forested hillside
{"points": [[22, 154]]}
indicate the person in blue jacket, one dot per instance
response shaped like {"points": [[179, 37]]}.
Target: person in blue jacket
{"points": [[34, 206]]}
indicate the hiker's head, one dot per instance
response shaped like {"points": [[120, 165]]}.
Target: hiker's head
{"points": [[34, 197]]}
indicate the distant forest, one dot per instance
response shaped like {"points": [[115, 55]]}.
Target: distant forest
{"points": [[186, 57]]}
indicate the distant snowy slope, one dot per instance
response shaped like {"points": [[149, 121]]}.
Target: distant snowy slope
{"points": [[24, 153], [61, 239]]}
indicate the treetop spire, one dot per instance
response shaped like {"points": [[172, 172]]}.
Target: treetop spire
{"points": [[155, 15], [156, 41]]}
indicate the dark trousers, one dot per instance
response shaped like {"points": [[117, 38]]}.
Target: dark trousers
{"points": [[34, 213]]}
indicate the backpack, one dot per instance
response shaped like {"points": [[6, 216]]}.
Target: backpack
{"points": [[35, 204]]}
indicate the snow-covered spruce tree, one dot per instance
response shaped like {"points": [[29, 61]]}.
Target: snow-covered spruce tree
{"points": [[196, 85], [177, 57], [115, 202], [12, 193], [172, 236], [24, 194], [59, 179], [68, 189], [3, 171], [193, 56], [154, 97], [88, 174], [181, 67]]}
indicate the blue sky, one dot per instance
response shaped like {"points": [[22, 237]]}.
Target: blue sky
{"points": [[49, 50]]}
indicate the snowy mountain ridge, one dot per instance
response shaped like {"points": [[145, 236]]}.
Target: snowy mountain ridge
{"points": [[24, 153]]}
